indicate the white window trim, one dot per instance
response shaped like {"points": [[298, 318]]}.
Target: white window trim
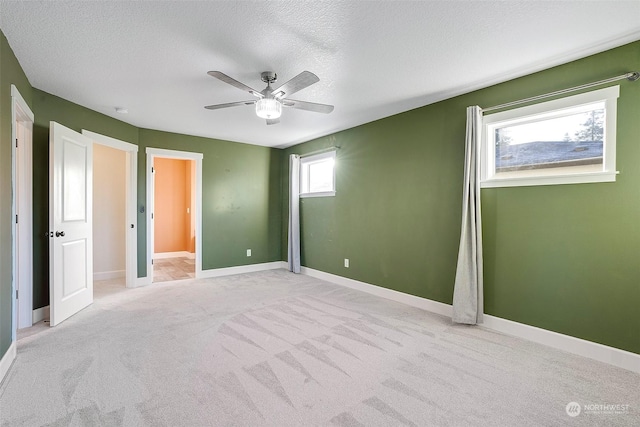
{"points": [[318, 194], [306, 160], [487, 155]]}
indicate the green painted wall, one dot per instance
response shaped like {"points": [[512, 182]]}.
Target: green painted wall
{"points": [[567, 258], [240, 199], [10, 73], [564, 258], [394, 211]]}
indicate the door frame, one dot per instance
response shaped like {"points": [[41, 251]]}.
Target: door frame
{"points": [[131, 197], [152, 153], [22, 209]]}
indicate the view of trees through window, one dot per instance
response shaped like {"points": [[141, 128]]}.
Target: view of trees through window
{"points": [[592, 129], [566, 140]]}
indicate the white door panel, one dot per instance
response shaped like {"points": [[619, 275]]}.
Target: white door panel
{"points": [[71, 246], [73, 279], [74, 185]]}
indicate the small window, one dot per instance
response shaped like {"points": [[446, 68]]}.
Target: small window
{"points": [[317, 175], [566, 141]]}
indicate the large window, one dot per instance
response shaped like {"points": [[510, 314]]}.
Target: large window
{"points": [[565, 141], [317, 175]]}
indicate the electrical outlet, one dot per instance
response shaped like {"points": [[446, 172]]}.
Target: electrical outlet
{"points": [[248, 252], [346, 262]]}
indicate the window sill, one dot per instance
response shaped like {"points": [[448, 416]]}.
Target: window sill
{"points": [[583, 178], [318, 194]]}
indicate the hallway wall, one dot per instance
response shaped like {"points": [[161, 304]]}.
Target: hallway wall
{"points": [[172, 199], [109, 212]]}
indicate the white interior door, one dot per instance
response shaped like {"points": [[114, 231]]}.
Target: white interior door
{"points": [[70, 219]]}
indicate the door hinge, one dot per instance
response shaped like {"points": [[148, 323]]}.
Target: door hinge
{"points": [[16, 218], [16, 294], [151, 262], [151, 215], [16, 142], [153, 170]]}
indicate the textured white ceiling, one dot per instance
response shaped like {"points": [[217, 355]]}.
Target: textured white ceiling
{"points": [[374, 59]]}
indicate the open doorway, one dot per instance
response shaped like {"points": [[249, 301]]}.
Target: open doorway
{"points": [[174, 219], [174, 193], [115, 166]]}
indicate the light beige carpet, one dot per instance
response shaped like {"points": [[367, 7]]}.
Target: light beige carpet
{"points": [[278, 349]]}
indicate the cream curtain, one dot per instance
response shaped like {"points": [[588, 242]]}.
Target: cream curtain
{"points": [[468, 288], [294, 214]]}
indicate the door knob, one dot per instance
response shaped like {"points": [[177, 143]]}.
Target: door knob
{"points": [[59, 233]]}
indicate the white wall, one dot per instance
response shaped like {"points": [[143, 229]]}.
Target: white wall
{"points": [[109, 220]]}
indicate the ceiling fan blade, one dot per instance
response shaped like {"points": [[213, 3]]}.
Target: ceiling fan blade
{"points": [[233, 82], [273, 121], [309, 106], [229, 104], [299, 82]]}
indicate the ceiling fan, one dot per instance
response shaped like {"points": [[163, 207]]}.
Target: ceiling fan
{"points": [[269, 101]]}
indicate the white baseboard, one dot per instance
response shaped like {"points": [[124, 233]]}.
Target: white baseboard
{"points": [[39, 314], [412, 300], [241, 269], [163, 255], [602, 353], [108, 275], [7, 360]]}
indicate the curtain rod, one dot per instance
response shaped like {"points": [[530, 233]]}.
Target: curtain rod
{"points": [[631, 76], [322, 150]]}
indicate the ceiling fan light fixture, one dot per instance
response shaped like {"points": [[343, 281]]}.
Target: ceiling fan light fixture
{"points": [[270, 101], [268, 108]]}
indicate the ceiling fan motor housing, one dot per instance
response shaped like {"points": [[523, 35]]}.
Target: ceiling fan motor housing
{"points": [[268, 76]]}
